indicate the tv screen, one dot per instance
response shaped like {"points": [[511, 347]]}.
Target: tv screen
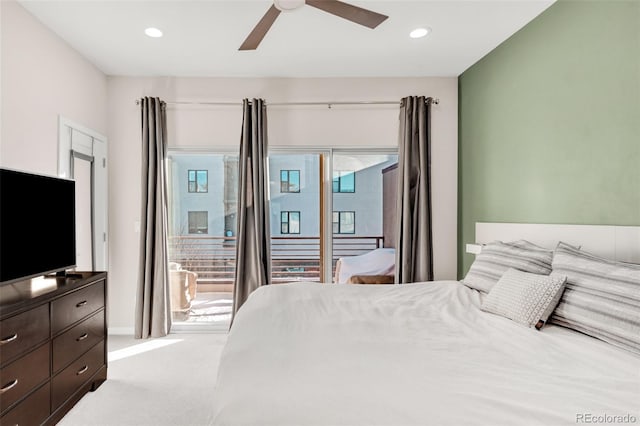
{"points": [[37, 225]]}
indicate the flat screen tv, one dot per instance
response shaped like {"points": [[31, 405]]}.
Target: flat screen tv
{"points": [[37, 225]]}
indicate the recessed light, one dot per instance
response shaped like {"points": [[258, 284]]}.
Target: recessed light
{"points": [[153, 32], [419, 32]]}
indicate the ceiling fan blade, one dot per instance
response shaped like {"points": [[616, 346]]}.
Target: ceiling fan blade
{"points": [[260, 30], [347, 11]]}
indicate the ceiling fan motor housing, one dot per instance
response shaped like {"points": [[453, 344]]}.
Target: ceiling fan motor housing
{"points": [[288, 5]]}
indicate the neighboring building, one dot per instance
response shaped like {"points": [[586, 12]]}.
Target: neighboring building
{"points": [[357, 195], [203, 195]]}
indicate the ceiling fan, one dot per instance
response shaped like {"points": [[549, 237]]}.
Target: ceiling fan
{"points": [[344, 10]]}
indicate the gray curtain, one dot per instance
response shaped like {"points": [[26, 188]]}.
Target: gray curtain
{"points": [[153, 310], [253, 250], [414, 246]]}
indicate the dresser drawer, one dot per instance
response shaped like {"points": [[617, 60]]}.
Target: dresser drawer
{"points": [[21, 376], [34, 410], [76, 341], [71, 378], [75, 306], [22, 332]]}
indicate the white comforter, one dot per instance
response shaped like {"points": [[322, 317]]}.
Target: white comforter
{"points": [[418, 354]]}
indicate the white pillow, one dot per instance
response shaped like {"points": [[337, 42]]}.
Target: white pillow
{"points": [[524, 297]]}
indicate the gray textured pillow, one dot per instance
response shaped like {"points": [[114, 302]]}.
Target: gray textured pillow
{"points": [[525, 298], [602, 298], [496, 257], [527, 244]]}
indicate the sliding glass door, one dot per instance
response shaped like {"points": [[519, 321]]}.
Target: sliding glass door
{"points": [[295, 193], [328, 205], [202, 230], [363, 213]]}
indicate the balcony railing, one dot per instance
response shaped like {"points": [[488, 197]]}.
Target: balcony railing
{"points": [[293, 258]]}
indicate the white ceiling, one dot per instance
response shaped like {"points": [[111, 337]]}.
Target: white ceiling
{"points": [[201, 38]]}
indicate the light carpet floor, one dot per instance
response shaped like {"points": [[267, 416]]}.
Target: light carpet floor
{"points": [[166, 381]]}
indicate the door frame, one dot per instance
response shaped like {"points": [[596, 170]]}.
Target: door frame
{"points": [[75, 155], [97, 155]]}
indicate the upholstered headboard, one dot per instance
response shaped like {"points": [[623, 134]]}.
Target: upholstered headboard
{"points": [[613, 242]]}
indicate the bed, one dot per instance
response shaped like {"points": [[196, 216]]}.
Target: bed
{"points": [[413, 354]]}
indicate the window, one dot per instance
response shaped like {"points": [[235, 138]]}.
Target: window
{"points": [[344, 222], [289, 180], [198, 222], [198, 181], [290, 222], [344, 181]]}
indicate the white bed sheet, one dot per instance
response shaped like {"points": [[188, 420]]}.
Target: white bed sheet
{"points": [[414, 354]]}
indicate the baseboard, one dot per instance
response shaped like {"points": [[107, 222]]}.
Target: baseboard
{"points": [[120, 331], [194, 328]]}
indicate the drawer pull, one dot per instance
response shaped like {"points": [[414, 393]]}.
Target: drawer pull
{"points": [[81, 304], [82, 370], [81, 338], [9, 386], [9, 339]]}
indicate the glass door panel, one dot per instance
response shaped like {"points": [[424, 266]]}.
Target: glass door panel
{"points": [[294, 188], [82, 170], [363, 187], [202, 235]]}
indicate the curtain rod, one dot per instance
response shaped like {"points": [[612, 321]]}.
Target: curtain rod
{"points": [[435, 101]]}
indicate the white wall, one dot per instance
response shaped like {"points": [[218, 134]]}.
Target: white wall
{"points": [[219, 127], [42, 77]]}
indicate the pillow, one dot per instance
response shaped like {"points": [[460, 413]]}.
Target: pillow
{"points": [[602, 297], [526, 244], [525, 298], [496, 257]]}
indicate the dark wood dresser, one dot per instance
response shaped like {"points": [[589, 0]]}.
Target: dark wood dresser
{"points": [[53, 346]]}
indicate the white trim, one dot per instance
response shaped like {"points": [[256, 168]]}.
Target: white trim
{"points": [[66, 125], [188, 150], [64, 121], [200, 327], [341, 149], [614, 242], [120, 331], [178, 328], [328, 214]]}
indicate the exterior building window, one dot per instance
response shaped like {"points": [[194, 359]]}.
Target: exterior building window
{"points": [[289, 180], [198, 222], [344, 181], [289, 222], [198, 181], [344, 222]]}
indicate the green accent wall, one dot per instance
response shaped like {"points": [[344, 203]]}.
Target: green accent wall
{"points": [[549, 123]]}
